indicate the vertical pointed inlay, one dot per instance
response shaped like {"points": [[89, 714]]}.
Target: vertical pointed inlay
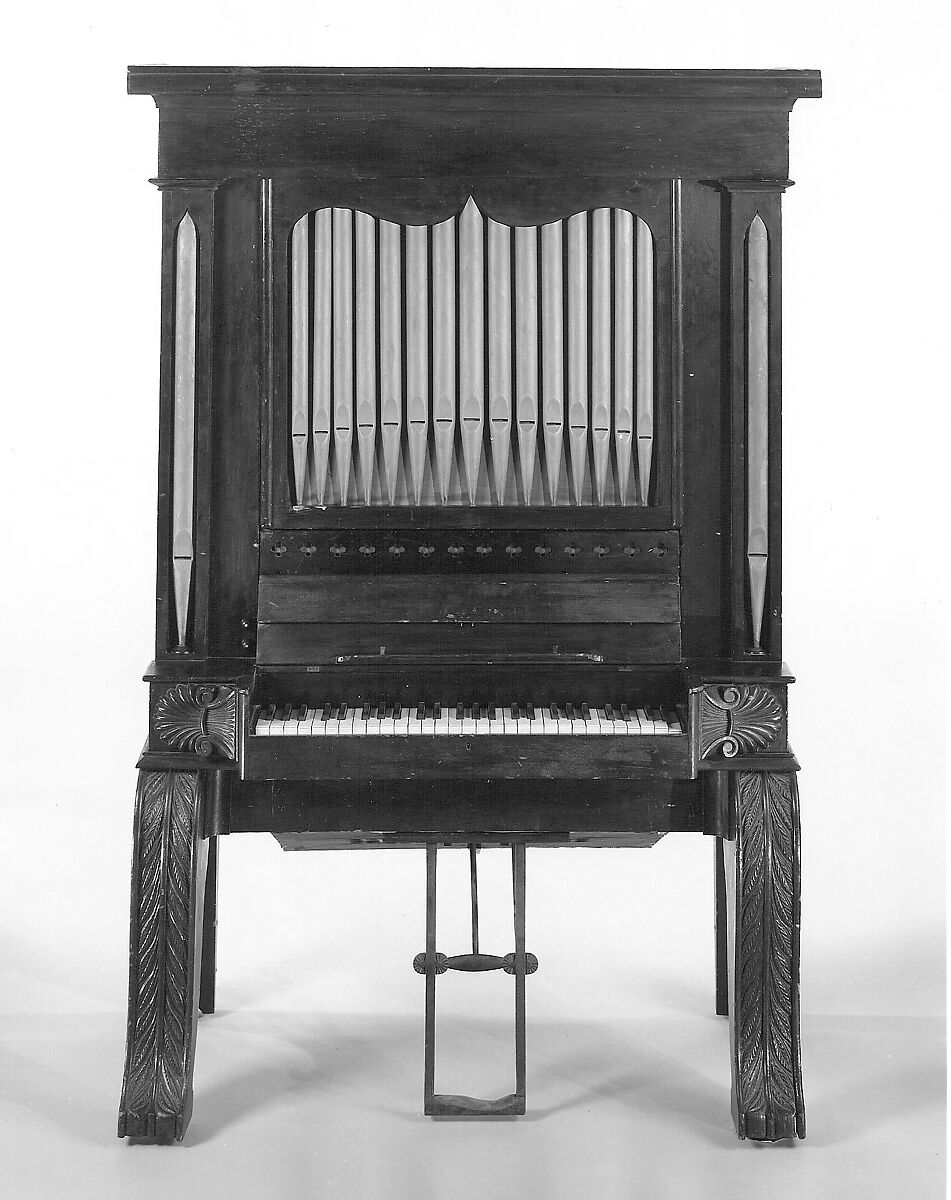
{"points": [[757, 418], [183, 448]]}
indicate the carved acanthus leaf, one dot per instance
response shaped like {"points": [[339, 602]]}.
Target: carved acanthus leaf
{"points": [[769, 1086], [155, 1088], [738, 719], [198, 718]]}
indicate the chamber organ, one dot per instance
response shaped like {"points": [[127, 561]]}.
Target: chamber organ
{"points": [[469, 516]]}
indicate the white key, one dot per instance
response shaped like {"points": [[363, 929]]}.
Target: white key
{"points": [[429, 725], [481, 723], [536, 724], [522, 723], [468, 724], [593, 722], [495, 721], [263, 726], [305, 726], [673, 723], [442, 722], [403, 722], [605, 724], [332, 724], [346, 722], [660, 721], [387, 723], [548, 723], [647, 725], [373, 723], [562, 723], [453, 723]]}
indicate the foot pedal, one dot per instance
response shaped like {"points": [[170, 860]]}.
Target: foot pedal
{"points": [[431, 963]]}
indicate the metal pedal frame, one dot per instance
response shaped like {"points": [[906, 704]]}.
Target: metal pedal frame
{"points": [[432, 963]]}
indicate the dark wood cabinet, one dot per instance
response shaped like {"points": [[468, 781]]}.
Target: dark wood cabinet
{"points": [[469, 520]]}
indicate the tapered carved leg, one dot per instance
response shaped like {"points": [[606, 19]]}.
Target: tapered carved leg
{"points": [[168, 878], [209, 934], [761, 871]]}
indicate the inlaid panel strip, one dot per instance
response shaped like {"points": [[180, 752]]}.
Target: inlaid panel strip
{"points": [[757, 408], [183, 447]]}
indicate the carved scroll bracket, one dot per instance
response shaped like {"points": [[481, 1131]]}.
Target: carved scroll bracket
{"points": [[738, 720], [197, 719]]}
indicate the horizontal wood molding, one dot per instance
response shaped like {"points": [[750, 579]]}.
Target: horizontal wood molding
{"points": [[493, 599]]}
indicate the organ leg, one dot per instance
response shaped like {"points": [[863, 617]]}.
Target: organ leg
{"points": [[209, 939], [761, 870], [168, 881], [722, 984]]}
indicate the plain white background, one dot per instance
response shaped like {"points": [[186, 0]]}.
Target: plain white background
{"points": [[309, 1076]]}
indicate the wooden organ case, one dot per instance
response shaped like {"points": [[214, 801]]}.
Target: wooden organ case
{"points": [[469, 511]]}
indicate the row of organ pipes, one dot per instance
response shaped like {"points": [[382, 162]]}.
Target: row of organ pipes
{"points": [[464, 301]]}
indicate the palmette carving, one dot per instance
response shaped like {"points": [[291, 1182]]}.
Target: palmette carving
{"points": [[198, 719], [738, 719], [768, 1081], [156, 1092]]}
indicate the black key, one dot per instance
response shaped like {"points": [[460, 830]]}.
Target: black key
{"points": [[285, 713], [420, 712], [397, 711], [341, 711], [269, 712], [491, 712], [625, 713], [483, 713], [255, 713], [365, 713], [467, 712], [553, 709], [609, 712], [459, 711], [570, 711], [436, 711], [530, 711], [325, 712]]}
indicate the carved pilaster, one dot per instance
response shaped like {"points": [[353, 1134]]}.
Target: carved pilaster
{"points": [[168, 875], [762, 876], [196, 718]]}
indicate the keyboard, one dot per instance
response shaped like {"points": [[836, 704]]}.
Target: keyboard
{"points": [[461, 720]]}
